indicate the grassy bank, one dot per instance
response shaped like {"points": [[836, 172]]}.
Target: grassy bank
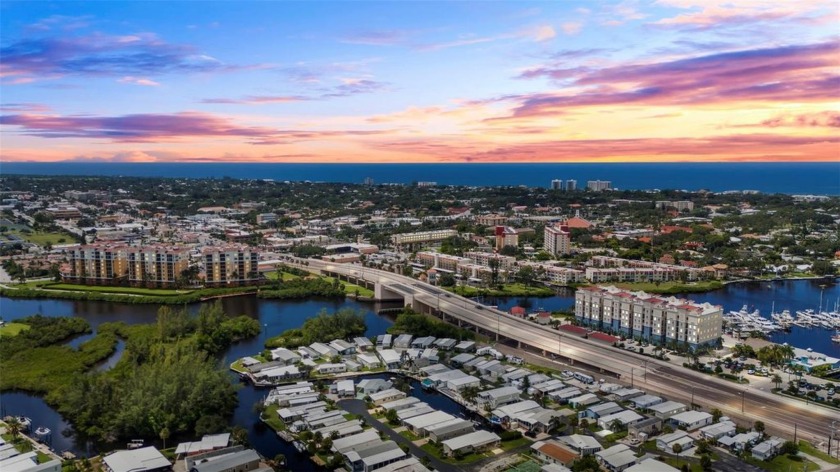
{"points": [[507, 290], [12, 329], [783, 463], [350, 289], [152, 292], [122, 296]]}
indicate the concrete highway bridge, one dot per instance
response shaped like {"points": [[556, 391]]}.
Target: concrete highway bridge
{"points": [[782, 416]]}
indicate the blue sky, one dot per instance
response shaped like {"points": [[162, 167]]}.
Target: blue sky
{"points": [[418, 81]]}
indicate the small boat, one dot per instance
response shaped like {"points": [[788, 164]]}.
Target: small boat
{"points": [[42, 432], [301, 448], [24, 422], [134, 444], [836, 337]]}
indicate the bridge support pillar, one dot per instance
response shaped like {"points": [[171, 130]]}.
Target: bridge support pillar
{"points": [[518, 344]]}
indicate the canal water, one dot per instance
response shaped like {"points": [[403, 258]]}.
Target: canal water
{"points": [[277, 316]]}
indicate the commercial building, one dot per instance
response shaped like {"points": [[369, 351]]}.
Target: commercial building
{"points": [[230, 265], [491, 219], [558, 240], [638, 314]]}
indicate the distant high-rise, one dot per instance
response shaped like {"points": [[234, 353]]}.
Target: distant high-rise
{"points": [[368, 180], [556, 184], [571, 185], [598, 185]]}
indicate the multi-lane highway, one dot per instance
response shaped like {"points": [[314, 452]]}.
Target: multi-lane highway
{"points": [[781, 415]]}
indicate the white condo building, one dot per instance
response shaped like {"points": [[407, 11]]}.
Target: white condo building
{"points": [[557, 240], [654, 318]]}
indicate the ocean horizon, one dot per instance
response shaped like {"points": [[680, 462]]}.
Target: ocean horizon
{"points": [[776, 177]]}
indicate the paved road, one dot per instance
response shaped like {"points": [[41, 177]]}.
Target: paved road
{"points": [[781, 415], [358, 407]]}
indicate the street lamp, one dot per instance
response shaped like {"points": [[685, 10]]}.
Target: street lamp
{"points": [[743, 399]]}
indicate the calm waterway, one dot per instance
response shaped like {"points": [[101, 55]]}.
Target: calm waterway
{"points": [[277, 316]]}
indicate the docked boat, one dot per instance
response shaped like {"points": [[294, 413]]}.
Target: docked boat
{"points": [[24, 422], [836, 337], [42, 433]]}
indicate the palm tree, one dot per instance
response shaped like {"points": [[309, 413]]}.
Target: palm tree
{"points": [[777, 379], [13, 426]]}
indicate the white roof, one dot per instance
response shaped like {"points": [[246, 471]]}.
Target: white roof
{"points": [[385, 394], [651, 465], [691, 417], [625, 416], [349, 442], [579, 441], [136, 460], [476, 439], [666, 407], [389, 355], [208, 442], [423, 421]]}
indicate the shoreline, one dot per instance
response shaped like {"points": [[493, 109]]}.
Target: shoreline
{"points": [[10, 291]]}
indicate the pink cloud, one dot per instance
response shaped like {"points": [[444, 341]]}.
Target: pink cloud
{"points": [[138, 81]]}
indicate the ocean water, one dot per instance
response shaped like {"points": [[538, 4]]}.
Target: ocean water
{"points": [[787, 177]]}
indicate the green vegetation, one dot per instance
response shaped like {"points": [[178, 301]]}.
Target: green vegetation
{"points": [[669, 288], [782, 463], [304, 288], [807, 448], [417, 324], [42, 238], [325, 327], [12, 329], [282, 275], [192, 297], [351, 289], [506, 290], [34, 359], [156, 292], [270, 417], [167, 378]]}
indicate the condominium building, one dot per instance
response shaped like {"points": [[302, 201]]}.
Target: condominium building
{"points": [[656, 319], [598, 185], [609, 269], [556, 184], [506, 236], [484, 258], [97, 264], [491, 219], [679, 205], [571, 185], [230, 265], [156, 266], [557, 240], [423, 237]]}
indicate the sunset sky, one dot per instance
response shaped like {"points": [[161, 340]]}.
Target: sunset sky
{"points": [[412, 81]]}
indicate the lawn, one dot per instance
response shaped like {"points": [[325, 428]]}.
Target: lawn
{"points": [[428, 447], [409, 435], [513, 444], [42, 239], [527, 466], [807, 448], [678, 463], [783, 463], [270, 417], [285, 276], [154, 292], [350, 289], [12, 329]]}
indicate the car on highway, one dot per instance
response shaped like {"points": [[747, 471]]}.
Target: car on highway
{"points": [[479, 307]]}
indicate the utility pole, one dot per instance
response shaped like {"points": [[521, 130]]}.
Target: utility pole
{"points": [[743, 398]]}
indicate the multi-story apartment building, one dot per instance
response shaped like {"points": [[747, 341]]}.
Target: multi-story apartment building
{"points": [[557, 240], [608, 269], [97, 264], [423, 237], [484, 258], [598, 185], [679, 205], [491, 219], [506, 236], [230, 265], [571, 185], [656, 319], [156, 266], [557, 184]]}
